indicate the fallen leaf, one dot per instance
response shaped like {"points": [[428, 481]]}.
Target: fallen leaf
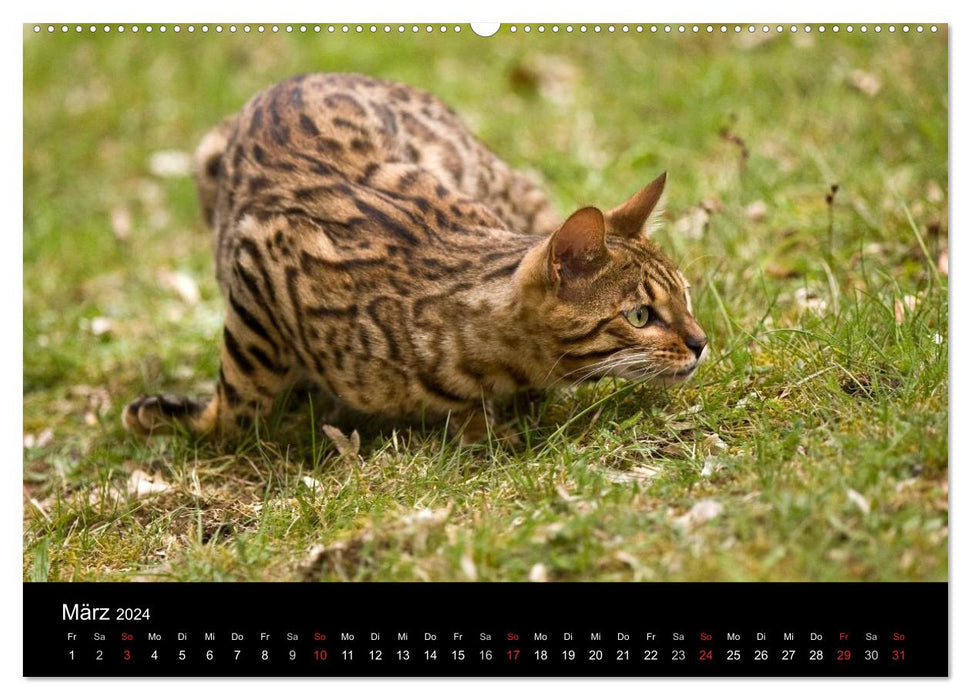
{"points": [[628, 559], [713, 444], [867, 83], [170, 164], [468, 568], [692, 224], [121, 223], [551, 76], [101, 325], [641, 474], [810, 301], [182, 284], [347, 447], [858, 500], [712, 465], [141, 484], [756, 211], [700, 513], [311, 483], [425, 518], [42, 440], [902, 306]]}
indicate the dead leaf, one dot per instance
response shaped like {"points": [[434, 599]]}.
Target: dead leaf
{"points": [[170, 164], [101, 325], [902, 306], [347, 447], [121, 223], [858, 500], [640, 474], [312, 484], [628, 559], [713, 445], [808, 300], [757, 210], [711, 466], [700, 513], [553, 77], [867, 83], [141, 484], [182, 284], [425, 518], [42, 440], [538, 573], [468, 568], [692, 224]]}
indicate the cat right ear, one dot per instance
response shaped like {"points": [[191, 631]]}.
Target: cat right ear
{"points": [[630, 219], [577, 249]]}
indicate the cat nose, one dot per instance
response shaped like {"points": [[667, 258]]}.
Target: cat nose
{"points": [[697, 343]]}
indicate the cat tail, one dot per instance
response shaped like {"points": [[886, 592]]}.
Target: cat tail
{"points": [[207, 166]]}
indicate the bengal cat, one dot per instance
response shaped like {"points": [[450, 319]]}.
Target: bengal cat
{"points": [[366, 241]]}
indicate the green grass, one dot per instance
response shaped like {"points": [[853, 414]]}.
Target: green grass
{"points": [[816, 436]]}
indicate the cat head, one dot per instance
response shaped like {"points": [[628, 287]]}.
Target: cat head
{"points": [[610, 301]]}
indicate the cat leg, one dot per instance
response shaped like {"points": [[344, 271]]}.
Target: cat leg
{"points": [[475, 425], [252, 376]]}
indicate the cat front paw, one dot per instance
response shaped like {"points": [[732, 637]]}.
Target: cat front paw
{"points": [[160, 414]]}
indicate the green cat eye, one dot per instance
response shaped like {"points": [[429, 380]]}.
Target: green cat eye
{"points": [[639, 317]]}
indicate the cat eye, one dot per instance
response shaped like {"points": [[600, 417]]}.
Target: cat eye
{"points": [[640, 316]]}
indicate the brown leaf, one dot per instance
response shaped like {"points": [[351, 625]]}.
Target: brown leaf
{"points": [[757, 210], [170, 164], [101, 325], [180, 283], [121, 223], [934, 192], [902, 306], [693, 224], [42, 440], [858, 500], [347, 447], [700, 513], [867, 83], [468, 568], [141, 484]]}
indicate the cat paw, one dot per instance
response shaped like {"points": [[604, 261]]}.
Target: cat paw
{"points": [[479, 429], [159, 414]]}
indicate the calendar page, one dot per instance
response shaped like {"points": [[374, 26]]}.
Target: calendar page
{"points": [[584, 349]]}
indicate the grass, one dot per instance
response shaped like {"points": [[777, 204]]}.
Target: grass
{"points": [[812, 447]]}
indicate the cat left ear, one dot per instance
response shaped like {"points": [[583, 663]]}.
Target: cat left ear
{"points": [[630, 218], [577, 248]]}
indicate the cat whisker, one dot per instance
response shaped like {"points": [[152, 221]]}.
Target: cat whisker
{"points": [[624, 360], [602, 364]]}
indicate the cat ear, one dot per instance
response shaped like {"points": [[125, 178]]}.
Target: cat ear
{"points": [[630, 218], [577, 248]]}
